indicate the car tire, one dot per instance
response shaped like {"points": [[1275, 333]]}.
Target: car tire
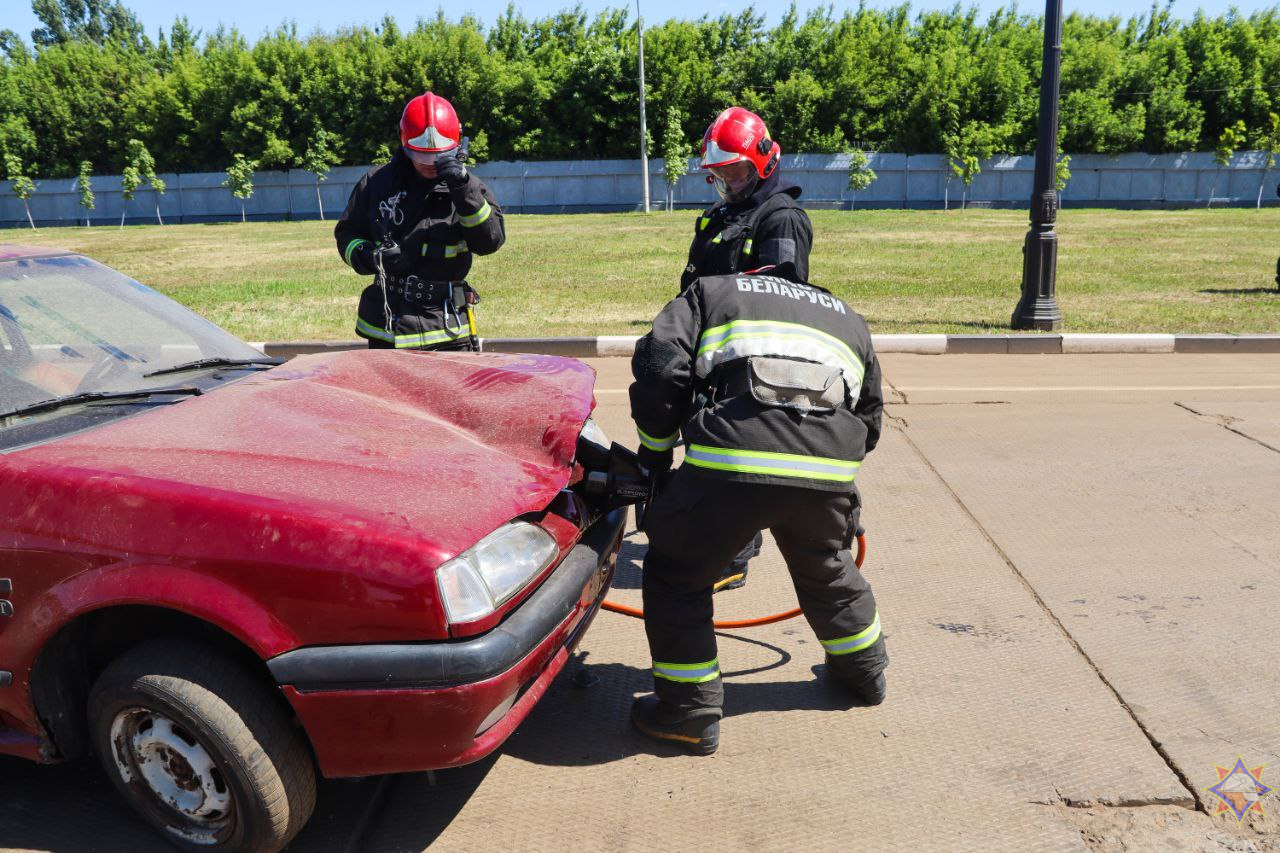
{"points": [[201, 749]]}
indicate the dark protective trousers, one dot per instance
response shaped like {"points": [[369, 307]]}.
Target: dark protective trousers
{"points": [[697, 525]]}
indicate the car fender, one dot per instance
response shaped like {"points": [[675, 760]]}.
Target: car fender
{"points": [[183, 589]]}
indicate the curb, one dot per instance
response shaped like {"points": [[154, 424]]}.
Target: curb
{"points": [[623, 345]]}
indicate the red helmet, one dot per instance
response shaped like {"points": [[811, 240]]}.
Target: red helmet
{"points": [[429, 124], [738, 134]]}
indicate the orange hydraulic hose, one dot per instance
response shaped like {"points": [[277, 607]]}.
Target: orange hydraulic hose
{"points": [[637, 613]]}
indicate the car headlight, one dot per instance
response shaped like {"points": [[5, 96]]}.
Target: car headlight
{"points": [[593, 446], [478, 581], [592, 432]]}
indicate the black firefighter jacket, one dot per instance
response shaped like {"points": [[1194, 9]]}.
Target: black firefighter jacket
{"points": [[698, 373], [441, 227], [765, 230]]}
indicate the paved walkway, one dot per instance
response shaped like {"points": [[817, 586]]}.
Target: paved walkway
{"points": [[1078, 565]]}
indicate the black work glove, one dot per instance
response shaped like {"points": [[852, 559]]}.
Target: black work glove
{"points": [[396, 260], [450, 169], [654, 462]]}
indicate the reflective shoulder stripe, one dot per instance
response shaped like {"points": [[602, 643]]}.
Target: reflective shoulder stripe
{"points": [[688, 673], [351, 249], [658, 444], [418, 339], [703, 222], [471, 220], [858, 642], [741, 338], [774, 464]]}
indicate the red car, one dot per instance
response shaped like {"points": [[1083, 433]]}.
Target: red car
{"points": [[221, 573]]}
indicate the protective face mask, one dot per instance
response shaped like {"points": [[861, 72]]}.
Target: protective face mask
{"points": [[734, 189]]}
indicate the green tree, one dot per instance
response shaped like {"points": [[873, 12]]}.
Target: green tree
{"points": [[144, 167], [1231, 140], [1061, 171], [240, 180], [676, 152], [319, 158], [21, 184], [965, 150], [93, 21], [84, 188], [1268, 142], [861, 175], [130, 180], [381, 156]]}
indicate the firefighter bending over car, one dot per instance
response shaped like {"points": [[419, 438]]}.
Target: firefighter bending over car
{"points": [[414, 224], [755, 224], [775, 386]]}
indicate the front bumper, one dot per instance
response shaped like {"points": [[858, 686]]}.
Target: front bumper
{"points": [[393, 708]]}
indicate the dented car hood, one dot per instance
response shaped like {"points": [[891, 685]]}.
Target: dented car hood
{"points": [[442, 446]]}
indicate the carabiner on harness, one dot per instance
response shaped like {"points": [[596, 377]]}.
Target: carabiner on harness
{"points": [[454, 328]]}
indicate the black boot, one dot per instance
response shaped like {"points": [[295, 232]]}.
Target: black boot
{"points": [[699, 734], [870, 691]]}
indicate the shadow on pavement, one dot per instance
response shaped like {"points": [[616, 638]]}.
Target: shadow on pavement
{"points": [[73, 808], [630, 560], [576, 727]]}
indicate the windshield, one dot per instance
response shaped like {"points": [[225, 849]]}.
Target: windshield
{"points": [[69, 325]]}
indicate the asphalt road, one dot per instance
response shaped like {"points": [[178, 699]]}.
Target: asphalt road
{"points": [[1077, 560]]}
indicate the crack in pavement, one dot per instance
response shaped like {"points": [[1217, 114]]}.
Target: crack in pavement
{"points": [[1190, 802], [1226, 421]]}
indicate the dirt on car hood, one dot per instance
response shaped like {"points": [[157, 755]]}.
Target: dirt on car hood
{"points": [[445, 446]]}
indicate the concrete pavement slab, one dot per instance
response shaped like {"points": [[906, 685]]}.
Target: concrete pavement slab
{"points": [[1152, 535]]}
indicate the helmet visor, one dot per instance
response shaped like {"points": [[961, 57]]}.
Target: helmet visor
{"points": [[734, 181], [425, 158]]}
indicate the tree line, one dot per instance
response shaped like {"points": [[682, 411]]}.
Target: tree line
{"points": [[90, 86]]}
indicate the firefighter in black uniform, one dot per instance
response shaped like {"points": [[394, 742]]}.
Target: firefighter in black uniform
{"points": [[776, 389], [756, 224], [420, 218]]}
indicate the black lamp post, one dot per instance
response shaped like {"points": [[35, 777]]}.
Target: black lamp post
{"points": [[1038, 307]]}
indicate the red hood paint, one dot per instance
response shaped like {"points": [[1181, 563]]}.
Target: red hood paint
{"points": [[435, 447]]}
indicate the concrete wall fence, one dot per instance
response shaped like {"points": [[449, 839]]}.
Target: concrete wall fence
{"points": [[916, 181]]}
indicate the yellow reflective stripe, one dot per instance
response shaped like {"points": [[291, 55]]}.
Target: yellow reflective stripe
{"points": [[418, 339], [773, 464], [746, 247], [716, 239], [658, 444], [351, 248], [703, 222], [471, 220], [451, 250], [688, 673], [858, 642]]}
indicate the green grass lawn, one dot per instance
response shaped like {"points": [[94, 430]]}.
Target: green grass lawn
{"points": [[590, 274]]}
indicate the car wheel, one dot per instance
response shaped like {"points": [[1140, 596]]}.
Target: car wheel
{"points": [[201, 749]]}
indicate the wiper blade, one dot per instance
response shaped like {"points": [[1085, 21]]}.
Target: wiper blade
{"points": [[97, 396], [265, 361]]}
